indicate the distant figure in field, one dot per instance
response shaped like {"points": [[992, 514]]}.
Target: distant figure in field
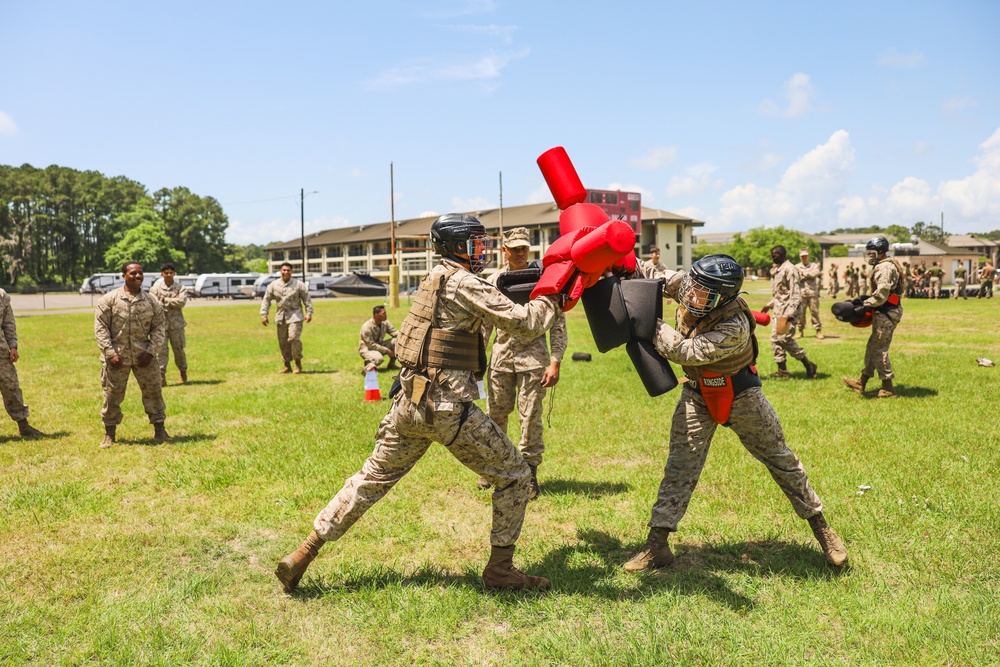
{"points": [[986, 281], [960, 282], [654, 259], [810, 276], [289, 294], [378, 340], [10, 388], [130, 328], [936, 273], [173, 297], [785, 300], [834, 281]]}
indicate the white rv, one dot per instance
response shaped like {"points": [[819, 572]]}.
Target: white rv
{"points": [[102, 283], [224, 284]]}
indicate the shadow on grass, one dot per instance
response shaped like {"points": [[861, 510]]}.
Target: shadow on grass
{"points": [[174, 440], [318, 372], [558, 486], [915, 392], [379, 577], [194, 382], [594, 568], [45, 436]]}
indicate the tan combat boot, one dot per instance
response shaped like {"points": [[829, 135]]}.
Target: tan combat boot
{"points": [[819, 335], [160, 433], [483, 484], [782, 371], [287, 368], [27, 430], [184, 377], [534, 483], [810, 369], [655, 553], [109, 436], [833, 548], [291, 568], [501, 573], [857, 385], [298, 367], [886, 391]]}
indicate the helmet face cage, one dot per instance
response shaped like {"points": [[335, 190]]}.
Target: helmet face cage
{"points": [[479, 248], [872, 257], [697, 297]]}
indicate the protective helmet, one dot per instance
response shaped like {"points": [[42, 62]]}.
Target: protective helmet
{"points": [[879, 245], [462, 238], [712, 281]]}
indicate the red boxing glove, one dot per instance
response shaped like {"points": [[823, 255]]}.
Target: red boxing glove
{"points": [[763, 319], [599, 250]]}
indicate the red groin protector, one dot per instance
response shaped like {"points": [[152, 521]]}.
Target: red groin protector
{"points": [[579, 216], [602, 248], [560, 175]]}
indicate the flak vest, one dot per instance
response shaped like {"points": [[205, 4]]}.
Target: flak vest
{"points": [[688, 325]]}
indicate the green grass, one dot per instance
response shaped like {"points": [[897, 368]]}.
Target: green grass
{"points": [[150, 554]]}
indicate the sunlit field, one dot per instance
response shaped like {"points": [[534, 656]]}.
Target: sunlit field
{"points": [[149, 554]]}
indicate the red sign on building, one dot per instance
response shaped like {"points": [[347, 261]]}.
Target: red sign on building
{"points": [[625, 206]]}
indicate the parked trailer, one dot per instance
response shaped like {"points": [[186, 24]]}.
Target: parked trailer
{"points": [[102, 283], [224, 284]]}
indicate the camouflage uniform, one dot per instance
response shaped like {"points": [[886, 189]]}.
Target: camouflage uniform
{"points": [[173, 300], [986, 281], [935, 273], [10, 388], [371, 345], [885, 279], [834, 283], [809, 283], [516, 368], [960, 282], [855, 288], [450, 417], [128, 325], [288, 316], [785, 303], [752, 419]]}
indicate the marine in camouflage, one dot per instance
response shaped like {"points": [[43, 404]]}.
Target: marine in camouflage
{"points": [[173, 298], [10, 387]]}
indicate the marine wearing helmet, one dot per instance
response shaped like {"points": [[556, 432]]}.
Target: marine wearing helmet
{"points": [[462, 238]]}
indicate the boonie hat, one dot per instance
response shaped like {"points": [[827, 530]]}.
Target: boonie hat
{"points": [[516, 238]]}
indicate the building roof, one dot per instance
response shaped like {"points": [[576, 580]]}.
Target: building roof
{"points": [[530, 215], [965, 241]]}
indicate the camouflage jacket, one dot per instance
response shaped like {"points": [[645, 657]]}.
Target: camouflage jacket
{"points": [[515, 354], [809, 278], [173, 299], [9, 340], [785, 290], [466, 303], [128, 325], [373, 334], [885, 279], [288, 298]]}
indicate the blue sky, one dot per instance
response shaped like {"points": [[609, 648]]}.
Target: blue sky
{"points": [[808, 114]]}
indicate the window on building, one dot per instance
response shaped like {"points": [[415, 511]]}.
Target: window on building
{"points": [[356, 250], [357, 265], [295, 255], [315, 253], [680, 233], [680, 257], [315, 267]]}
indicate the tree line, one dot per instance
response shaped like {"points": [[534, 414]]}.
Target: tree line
{"points": [[59, 225]]}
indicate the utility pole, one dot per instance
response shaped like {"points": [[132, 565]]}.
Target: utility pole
{"points": [[302, 229], [393, 267]]}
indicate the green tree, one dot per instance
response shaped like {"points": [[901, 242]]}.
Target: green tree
{"points": [[929, 232], [754, 250], [145, 242], [838, 251], [195, 225]]}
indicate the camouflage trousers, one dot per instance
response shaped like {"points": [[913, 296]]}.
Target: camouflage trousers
{"points": [[13, 401], [175, 339], [834, 289], [374, 357], [780, 344], [877, 350], [115, 380], [810, 304], [985, 289], [527, 385], [755, 423], [290, 340], [935, 288], [404, 436], [960, 289]]}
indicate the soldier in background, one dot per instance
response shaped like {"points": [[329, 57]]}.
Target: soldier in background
{"points": [[907, 279], [377, 340], [850, 282], [834, 281], [885, 288], [960, 282], [522, 368], [10, 387], [785, 300], [986, 281], [130, 329], [936, 274], [289, 295], [713, 339], [810, 276], [441, 348], [173, 297], [654, 259]]}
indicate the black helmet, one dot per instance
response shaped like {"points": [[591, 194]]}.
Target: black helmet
{"points": [[712, 281], [879, 244], [454, 234]]}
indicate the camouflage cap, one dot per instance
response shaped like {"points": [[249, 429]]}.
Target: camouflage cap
{"points": [[803, 252], [516, 238]]}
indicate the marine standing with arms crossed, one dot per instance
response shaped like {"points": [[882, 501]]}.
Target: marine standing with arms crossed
{"points": [[785, 303], [130, 329], [173, 297], [441, 349], [289, 294], [713, 340], [885, 286], [522, 368]]}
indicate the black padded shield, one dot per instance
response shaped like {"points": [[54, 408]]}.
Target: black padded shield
{"points": [[517, 285], [644, 304], [605, 308], [655, 372]]}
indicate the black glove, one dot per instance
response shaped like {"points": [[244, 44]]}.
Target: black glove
{"points": [[862, 310]]}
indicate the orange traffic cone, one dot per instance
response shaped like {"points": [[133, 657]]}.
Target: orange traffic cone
{"points": [[372, 392]]}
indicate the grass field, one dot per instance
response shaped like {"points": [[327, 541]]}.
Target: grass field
{"points": [[150, 554]]}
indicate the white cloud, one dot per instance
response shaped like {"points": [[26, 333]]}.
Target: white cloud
{"points": [[696, 180], [7, 125], [921, 148], [767, 162], [429, 214], [978, 195], [893, 58], [482, 69], [467, 8], [798, 97], [692, 212], [647, 195], [462, 204], [954, 108], [504, 32], [655, 158], [269, 231], [540, 195]]}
